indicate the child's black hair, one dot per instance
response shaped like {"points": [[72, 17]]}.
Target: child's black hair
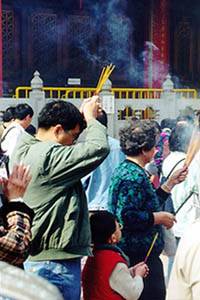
{"points": [[103, 225]]}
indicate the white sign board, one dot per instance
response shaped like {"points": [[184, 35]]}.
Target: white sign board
{"points": [[74, 81]]}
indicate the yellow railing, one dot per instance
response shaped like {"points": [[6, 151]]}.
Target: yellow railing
{"points": [[136, 93], [56, 92], [119, 93], [186, 93], [22, 92], [150, 93], [79, 93]]}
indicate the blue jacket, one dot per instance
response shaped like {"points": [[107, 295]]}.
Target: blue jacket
{"points": [[97, 183]]}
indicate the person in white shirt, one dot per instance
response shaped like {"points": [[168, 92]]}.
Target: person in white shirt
{"points": [[184, 281], [190, 211], [23, 117]]}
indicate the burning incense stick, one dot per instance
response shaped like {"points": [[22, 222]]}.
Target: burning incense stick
{"points": [[103, 77], [193, 148], [183, 203], [151, 247], [100, 78]]}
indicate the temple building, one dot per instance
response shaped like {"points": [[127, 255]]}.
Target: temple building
{"points": [[145, 39]]}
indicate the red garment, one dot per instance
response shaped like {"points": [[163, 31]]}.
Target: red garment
{"points": [[96, 274]]}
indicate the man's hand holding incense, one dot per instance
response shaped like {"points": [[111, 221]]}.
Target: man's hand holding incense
{"points": [[91, 107]]}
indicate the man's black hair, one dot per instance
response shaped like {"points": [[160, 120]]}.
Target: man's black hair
{"points": [[22, 111], [103, 225], [168, 123], [102, 118], [60, 112]]}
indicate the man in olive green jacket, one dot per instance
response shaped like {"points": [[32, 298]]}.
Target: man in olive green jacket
{"points": [[61, 232]]}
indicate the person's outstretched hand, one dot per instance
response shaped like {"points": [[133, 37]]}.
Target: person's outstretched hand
{"points": [[15, 186], [177, 177]]}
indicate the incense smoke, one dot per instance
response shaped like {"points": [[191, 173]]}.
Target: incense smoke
{"points": [[106, 36]]}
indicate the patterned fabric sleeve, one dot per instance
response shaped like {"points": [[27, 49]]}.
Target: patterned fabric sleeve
{"points": [[15, 235], [130, 202]]}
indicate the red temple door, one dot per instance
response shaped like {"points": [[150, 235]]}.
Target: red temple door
{"points": [[157, 48]]}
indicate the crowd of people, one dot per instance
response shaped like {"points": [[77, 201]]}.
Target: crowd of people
{"points": [[63, 199]]}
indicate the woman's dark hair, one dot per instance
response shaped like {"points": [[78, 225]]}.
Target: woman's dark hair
{"points": [[60, 112], [103, 225], [180, 137], [23, 110], [9, 114], [139, 135]]}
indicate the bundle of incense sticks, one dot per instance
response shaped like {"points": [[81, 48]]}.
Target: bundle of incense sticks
{"points": [[103, 77], [193, 147]]}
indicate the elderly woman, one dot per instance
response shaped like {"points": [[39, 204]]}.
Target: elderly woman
{"points": [[137, 204]]}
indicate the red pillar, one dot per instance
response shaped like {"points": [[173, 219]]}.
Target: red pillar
{"points": [[81, 4], [1, 52], [157, 48]]}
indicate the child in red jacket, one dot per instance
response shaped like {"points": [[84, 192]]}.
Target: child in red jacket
{"points": [[106, 274]]}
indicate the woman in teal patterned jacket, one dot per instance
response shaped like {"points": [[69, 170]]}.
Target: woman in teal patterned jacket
{"points": [[137, 204]]}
